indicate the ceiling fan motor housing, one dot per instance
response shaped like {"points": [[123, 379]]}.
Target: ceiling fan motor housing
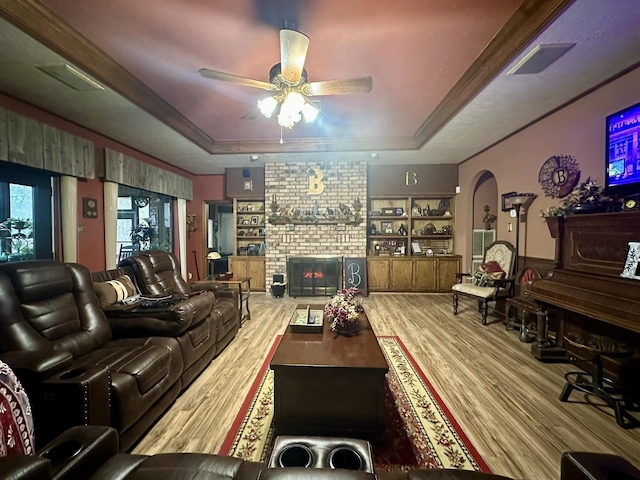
{"points": [[275, 77]]}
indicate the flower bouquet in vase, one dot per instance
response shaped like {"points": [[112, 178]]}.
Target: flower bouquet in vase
{"points": [[343, 311]]}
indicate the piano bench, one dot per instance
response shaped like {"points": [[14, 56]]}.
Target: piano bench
{"points": [[595, 347]]}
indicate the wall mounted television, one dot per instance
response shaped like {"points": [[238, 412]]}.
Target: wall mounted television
{"points": [[622, 175]]}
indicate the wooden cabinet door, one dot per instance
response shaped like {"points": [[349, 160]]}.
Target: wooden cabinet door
{"points": [[447, 269], [424, 275], [378, 274], [255, 270], [401, 274], [238, 266]]}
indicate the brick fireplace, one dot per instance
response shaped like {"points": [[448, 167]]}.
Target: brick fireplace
{"points": [[343, 182]]}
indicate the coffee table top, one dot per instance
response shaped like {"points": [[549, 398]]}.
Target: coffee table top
{"points": [[328, 349]]}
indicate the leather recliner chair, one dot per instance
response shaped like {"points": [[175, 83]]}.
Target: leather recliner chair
{"points": [[158, 273], [59, 342]]}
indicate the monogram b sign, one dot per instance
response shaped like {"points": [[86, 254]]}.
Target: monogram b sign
{"points": [[355, 274], [316, 187]]}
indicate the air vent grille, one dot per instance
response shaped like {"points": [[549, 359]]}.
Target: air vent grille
{"points": [[540, 58]]}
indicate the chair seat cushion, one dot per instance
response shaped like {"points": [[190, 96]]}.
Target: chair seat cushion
{"points": [[477, 291]]}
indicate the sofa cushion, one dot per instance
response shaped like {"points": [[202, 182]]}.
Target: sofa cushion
{"points": [[114, 291]]}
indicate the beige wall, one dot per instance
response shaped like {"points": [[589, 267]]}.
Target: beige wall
{"points": [[578, 130]]}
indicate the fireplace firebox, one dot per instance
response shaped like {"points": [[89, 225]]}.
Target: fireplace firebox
{"points": [[314, 275]]}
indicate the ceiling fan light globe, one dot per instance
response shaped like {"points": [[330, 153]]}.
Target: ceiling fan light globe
{"points": [[267, 106], [309, 112]]}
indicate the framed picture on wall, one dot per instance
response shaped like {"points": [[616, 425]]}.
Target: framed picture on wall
{"points": [[506, 201]]}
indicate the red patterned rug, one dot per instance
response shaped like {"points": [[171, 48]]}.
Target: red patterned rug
{"points": [[420, 430]]}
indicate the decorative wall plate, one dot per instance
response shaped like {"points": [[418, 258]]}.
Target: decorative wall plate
{"points": [[559, 175]]}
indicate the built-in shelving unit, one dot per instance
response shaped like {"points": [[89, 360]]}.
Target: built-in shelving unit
{"points": [[405, 226], [249, 237], [410, 244]]}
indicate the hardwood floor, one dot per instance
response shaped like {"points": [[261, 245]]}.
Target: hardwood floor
{"points": [[503, 398]]}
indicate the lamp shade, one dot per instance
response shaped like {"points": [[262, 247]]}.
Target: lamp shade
{"points": [[213, 256]]}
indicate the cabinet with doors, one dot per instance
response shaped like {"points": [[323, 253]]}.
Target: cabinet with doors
{"points": [[249, 241], [410, 244]]}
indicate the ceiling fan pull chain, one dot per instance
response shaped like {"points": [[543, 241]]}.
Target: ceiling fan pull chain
{"points": [[281, 139]]}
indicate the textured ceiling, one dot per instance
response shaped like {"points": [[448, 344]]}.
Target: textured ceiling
{"points": [[440, 94]]}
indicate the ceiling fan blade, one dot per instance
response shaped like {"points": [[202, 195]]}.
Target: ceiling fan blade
{"points": [[338, 87], [228, 77], [293, 52]]}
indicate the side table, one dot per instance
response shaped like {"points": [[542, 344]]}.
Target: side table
{"points": [[243, 295]]}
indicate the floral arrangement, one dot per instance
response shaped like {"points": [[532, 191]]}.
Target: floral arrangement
{"points": [[343, 309], [586, 193]]}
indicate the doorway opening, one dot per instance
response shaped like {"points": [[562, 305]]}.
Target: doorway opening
{"points": [[220, 236]]}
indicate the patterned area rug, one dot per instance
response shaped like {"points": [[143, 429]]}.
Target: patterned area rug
{"points": [[420, 430]]}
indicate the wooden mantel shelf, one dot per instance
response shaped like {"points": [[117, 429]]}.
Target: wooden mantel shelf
{"points": [[321, 221]]}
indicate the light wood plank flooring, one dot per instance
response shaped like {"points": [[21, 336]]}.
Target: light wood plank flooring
{"points": [[504, 399]]}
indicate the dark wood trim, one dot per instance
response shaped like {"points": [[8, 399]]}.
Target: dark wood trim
{"points": [[44, 26], [529, 20]]}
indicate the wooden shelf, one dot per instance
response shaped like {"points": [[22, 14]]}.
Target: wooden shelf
{"points": [[431, 236], [387, 237], [432, 217], [250, 237]]}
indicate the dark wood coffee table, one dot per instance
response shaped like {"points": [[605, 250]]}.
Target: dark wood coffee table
{"points": [[325, 384]]}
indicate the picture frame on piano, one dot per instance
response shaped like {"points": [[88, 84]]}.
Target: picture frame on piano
{"points": [[632, 264]]}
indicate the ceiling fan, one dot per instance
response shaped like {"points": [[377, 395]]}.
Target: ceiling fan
{"points": [[289, 82]]}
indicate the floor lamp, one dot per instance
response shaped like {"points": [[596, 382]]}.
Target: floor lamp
{"points": [[520, 202]]}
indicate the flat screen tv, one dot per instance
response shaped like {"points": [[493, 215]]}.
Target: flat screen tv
{"points": [[622, 176]]}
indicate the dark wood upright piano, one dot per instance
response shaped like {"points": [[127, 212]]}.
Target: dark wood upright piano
{"points": [[587, 293]]}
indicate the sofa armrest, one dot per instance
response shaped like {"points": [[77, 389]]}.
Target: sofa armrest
{"points": [[209, 285], [167, 321], [596, 466], [80, 395], [79, 451], [25, 467], [36, 365]]}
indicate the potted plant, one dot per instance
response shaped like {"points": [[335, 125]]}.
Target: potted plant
{"points": [[343, 311], [16, 235], [584, 198]]}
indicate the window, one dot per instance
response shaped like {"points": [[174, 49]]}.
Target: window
{"points": [[25, 213], [145, 221]]}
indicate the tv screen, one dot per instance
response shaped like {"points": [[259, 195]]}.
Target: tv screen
{"points": [[622, 176]]}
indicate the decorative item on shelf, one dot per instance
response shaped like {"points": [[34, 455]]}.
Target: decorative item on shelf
{"points": [[436, 212], [386, 228], [429, 252], [488, 218], [429, 229], [444, 204], [343, 311], [402, 230], [416, 210], [447, 230], [388, 211], [372, 230], [584, 198]]}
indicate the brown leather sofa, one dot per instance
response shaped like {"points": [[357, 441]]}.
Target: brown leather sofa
{"points": [[59, 342], [158, 273], [91, 452]]}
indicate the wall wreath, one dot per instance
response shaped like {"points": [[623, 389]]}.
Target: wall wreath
{"points": [[559, 175]]}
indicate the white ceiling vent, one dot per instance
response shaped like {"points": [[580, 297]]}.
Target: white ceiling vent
{"points": [[71, 77], [540, 58]]}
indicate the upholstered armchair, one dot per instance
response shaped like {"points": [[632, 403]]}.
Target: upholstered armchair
{"points": [[493, 280]]}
